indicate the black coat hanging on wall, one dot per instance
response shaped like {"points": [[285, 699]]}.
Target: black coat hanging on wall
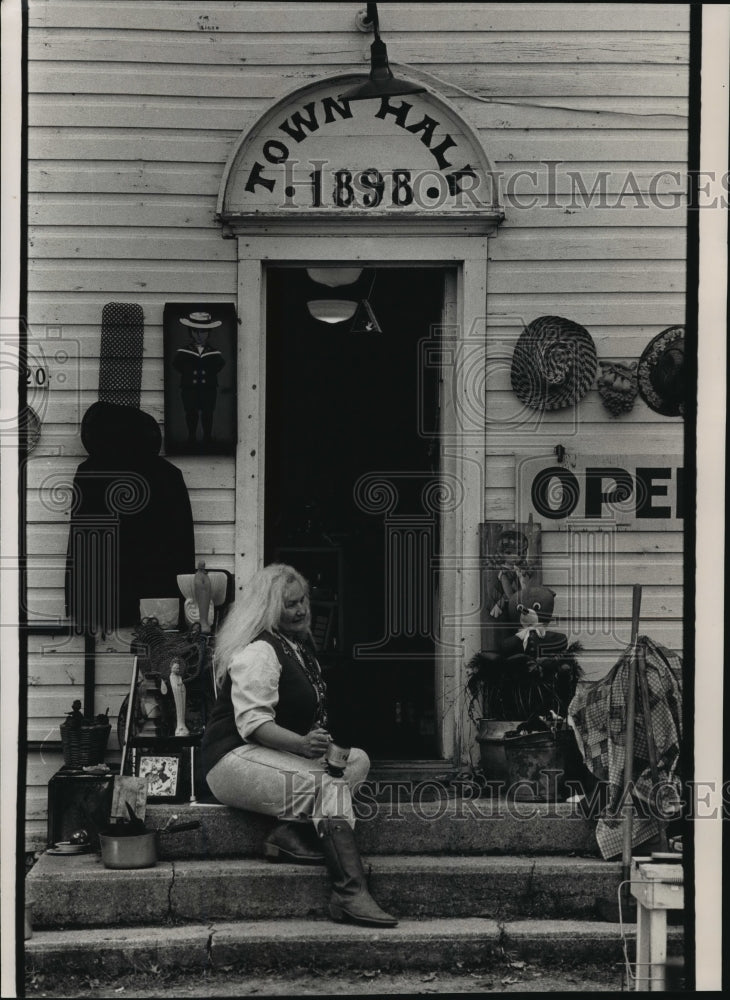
{"points": [[131, 530]]}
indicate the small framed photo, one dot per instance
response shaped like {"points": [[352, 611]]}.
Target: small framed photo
{"points": [[200, 347], [511, 555], [164, 775]]}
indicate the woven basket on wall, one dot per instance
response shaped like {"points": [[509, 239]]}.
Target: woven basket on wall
{"points": [[554, 363], [84, 745]]}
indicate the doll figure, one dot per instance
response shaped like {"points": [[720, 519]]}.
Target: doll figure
{"points": [[532, 608], [179, 696]]}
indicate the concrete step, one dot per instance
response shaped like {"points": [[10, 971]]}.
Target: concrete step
{"points": [[321, 944], [78, 891], [441, 826]]}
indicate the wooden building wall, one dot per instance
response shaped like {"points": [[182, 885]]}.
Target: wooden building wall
{"points": [[133, 109]]}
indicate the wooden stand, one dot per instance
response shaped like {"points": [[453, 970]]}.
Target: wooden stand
{"points": [[657, 888], [78, 799], [637, 673]]}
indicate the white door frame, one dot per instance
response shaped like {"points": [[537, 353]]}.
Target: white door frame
{"points": [[464, 427]]}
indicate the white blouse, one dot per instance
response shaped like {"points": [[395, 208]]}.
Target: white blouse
{"points": [[255, 673]]}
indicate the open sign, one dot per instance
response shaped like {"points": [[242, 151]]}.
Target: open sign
{"points": [[650, 492]]}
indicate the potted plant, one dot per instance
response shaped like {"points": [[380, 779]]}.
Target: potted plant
{"points": [[534, 673], [490, 709], [503, 694]]}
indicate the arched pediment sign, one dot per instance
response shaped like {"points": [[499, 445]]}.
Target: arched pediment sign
{"points": [[317, 156]]}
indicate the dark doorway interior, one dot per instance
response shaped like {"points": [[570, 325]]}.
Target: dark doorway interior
{"points": [[351, 453]]}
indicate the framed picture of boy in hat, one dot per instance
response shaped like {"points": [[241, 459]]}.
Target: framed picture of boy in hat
{"points": [[200, 378]]}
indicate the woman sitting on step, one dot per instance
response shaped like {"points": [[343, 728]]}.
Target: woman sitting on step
{"points": [[265, 743]]}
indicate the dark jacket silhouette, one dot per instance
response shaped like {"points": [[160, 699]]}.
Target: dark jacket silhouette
{"points": [[131, 530]]}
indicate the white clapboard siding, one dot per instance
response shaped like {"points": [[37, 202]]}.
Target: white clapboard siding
{"points": [[172, 178], [56, 678], [631, 243], [216, 84], [256, 17], [166, 212], [133, 110], [530, 277], [81, 343], [628, 85], [617, 342], [86, 243], [115, 276], [502, 405], [177, 113], [503, 145], [348, 48], [584, 181], [610, 308]]}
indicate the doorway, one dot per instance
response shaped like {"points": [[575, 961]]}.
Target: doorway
{"points": [[352, 456]]}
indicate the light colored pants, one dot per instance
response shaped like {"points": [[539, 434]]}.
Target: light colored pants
{"points": [[286, 785]]}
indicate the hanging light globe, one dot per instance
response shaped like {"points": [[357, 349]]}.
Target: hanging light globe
{"points": [[331, 310]]}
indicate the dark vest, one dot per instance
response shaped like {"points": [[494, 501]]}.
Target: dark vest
{"points": [[296, 710]]}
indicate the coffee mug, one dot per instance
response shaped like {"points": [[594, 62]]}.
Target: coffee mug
{"points": [[335, 760]]}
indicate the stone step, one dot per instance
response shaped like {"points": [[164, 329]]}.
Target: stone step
{"points": [[79, 891], [442, 826], [468, 942]]}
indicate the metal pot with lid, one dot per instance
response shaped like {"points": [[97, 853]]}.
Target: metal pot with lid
{"points": [[131, 845]]}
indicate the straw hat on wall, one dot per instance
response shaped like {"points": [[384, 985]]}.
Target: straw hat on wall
{"points": [[661, 372], [554, 363]]}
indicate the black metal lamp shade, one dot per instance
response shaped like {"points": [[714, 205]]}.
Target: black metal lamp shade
{"points": [[381, 82]]}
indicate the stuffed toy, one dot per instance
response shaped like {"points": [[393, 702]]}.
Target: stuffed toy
{"points": [[534, 670], [532, 609]]}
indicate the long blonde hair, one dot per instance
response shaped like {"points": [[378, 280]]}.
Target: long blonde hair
{"points": [[257, 608]]}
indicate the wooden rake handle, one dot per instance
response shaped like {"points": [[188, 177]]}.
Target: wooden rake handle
{"points": [[630, 726]]}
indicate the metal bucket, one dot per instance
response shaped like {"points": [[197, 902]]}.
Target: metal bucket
{"points": [[538, 765], [490, 737]]}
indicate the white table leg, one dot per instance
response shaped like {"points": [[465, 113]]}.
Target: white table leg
{"points": [[658, 949], [651, 948], [641, 981]]}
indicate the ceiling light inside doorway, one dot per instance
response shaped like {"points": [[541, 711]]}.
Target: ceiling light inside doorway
{"points": [[334, 277], [332, 310], [338, 310]]}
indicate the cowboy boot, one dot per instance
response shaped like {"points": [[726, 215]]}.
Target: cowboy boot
{"points": [[350, 898], [290, 842]]}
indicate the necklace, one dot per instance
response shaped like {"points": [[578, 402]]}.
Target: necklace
{"points": [[311, 668], [292, 642]]}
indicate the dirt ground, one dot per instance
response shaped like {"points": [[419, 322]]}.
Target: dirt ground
{"points": [[512, 977]]}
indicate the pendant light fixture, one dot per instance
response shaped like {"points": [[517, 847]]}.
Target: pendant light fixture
{"points": [[333, 309], [334, 277], [381, 82], [337, 309]]}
